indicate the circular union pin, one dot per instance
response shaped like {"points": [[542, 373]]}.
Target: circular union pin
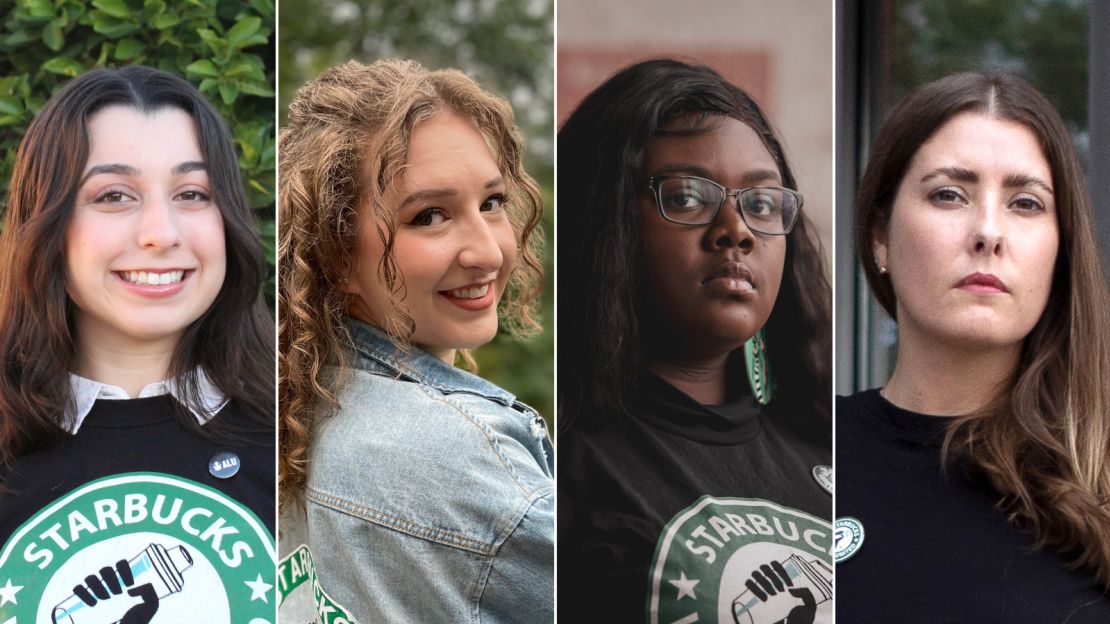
{"points": [[224, 465], [824, 477], [847, 538]]}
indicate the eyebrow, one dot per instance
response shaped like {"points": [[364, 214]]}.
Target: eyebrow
{"points": [[127, 170], [748, 179], [439, 193], [1013, 180]]}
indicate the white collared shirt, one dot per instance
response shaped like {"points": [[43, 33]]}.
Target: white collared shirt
{"points": [[86, 392]]}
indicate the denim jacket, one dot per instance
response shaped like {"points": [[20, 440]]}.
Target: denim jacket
{"points": [[429, 496]]}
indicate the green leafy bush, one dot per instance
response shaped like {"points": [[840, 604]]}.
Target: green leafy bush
{"points": [[224, 47]]}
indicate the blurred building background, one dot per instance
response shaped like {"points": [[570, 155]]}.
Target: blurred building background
{"points": [[885, 48], [778, 51], [507, 46]]}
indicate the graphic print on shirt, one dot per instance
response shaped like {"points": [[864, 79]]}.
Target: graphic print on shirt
{"points": [[302, 599], [742, 561], [139, 548]]}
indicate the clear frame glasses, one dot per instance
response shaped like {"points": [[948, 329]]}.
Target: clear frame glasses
{"points": [[691, 200]]}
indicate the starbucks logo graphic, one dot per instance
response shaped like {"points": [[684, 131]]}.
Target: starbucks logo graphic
{"points": [[302, 597], [742, 561], [139, 548]]}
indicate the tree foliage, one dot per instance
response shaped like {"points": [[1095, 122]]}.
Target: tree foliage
{"points": [[1044, 41], [224, 47]]}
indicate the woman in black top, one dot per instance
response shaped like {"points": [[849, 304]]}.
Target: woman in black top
{"points": [[694, 430], [974, 485], [136, 393]]}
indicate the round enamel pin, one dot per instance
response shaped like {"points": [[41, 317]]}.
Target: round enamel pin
{"points": [[847, 538], [224, 465], [824, 477]]}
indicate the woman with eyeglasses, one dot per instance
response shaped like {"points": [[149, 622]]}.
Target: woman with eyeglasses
{"points": [[694, 345], [975, 485]]}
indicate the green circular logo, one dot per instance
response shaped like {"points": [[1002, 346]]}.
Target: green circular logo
{"points": [[847, 538], [139, 547], [742, 561]]}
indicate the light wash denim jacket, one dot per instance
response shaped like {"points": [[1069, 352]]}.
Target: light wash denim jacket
{"points": [[429, 495]]}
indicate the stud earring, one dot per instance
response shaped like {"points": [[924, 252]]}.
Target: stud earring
{"points": [[882, 270], [759, 370]]}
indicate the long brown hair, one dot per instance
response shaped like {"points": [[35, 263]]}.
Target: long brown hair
{"points": [[346, 141], [232, 342], [1045, 442]]}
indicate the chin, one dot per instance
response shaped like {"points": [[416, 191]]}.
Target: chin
{"points": [[470, 339]]}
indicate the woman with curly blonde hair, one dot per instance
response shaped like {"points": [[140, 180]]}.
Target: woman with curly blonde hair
{"points": [[411, 490]]}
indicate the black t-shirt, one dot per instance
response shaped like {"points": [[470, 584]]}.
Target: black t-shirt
{"points": [[680, 509], [127, 518], [935, 549]]}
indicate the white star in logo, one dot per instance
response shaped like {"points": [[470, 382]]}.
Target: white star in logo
{"points": [[260, 589], [685, 586], [8, 592]]}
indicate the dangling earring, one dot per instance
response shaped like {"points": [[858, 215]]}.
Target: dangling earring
{"points": [[759, 370]]}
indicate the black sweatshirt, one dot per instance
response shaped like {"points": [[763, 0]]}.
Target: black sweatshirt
{"points": [[126, 520], [680, 509], [935, 548]]}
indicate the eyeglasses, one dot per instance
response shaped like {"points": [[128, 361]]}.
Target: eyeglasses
{"points": [[691, 200]]}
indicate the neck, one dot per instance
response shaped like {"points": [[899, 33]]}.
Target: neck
{"points": [[703, 379], [948, 379], [131, 365]]}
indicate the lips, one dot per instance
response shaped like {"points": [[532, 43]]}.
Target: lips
{"points": [[471, 297], [154, 283], [982, 283], [731, 278]]}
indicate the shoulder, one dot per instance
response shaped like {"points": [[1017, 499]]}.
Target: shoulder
{"points": [[858, 402], [402, 454]]}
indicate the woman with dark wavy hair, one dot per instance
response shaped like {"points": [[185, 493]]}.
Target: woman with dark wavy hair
{"points": [[694, 346], [975, 485], [136, 388]]}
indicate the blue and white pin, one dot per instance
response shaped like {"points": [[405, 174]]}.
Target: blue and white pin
{"points": [[824, 477], [847, 538], [224, 465]]}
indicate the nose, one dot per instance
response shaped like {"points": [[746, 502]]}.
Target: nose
{"points": [[479, 248], [986, 233], [158, 227], [728, 229]]}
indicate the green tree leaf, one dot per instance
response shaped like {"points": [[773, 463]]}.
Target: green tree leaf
{"points": [[10, 105], [128, 49], [115, 8], [52, 36], [113, 27], [40, 8], [229, 91], [203, 67], [242, 31], [63, 66], [165, 20], [254, 88]]}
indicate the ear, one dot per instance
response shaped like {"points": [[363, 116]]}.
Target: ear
{"points": [[879, 246], [349, 282]]}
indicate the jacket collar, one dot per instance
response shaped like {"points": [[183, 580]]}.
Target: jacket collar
{"points": [[375, 351]]}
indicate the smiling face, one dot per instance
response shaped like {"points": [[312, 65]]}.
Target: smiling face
{"points": [[454, 244], [972, 239], [711, 286], [144, 247]]}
